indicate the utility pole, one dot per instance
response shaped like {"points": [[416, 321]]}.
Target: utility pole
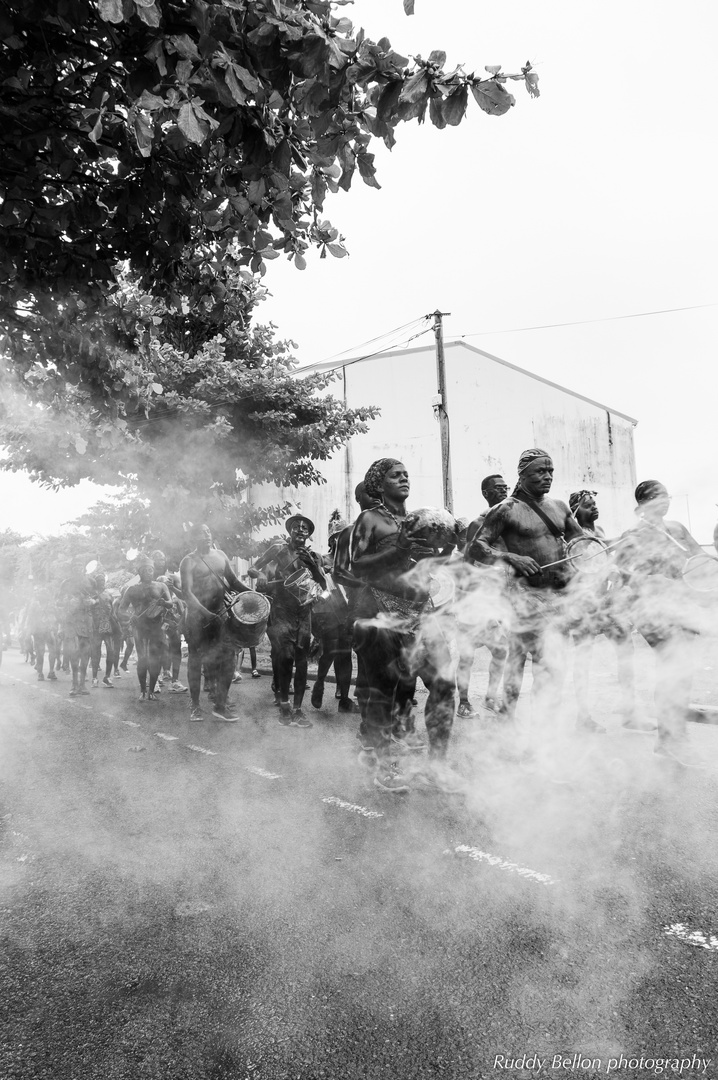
{"points": [[440, 404]]}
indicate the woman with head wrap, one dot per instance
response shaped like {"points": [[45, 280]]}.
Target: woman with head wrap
{"points": [[393, 641], [652, 557]]}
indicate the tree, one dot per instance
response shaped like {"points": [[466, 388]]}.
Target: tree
{"points": [[162, 133], [181, 416]]}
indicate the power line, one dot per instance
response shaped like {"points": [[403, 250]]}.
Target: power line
{"points": [[584, 322]]}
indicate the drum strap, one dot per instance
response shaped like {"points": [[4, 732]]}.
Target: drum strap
{"points": [[551, 525]]}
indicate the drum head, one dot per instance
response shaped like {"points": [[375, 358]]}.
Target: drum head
{"points": [[250, 608], [441, 588], [701, 573], [588, 555]]}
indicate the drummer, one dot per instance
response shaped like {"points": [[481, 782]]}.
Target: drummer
{"points": [[290, 623], [653, 555], [149, 600], [598, 606], [206, 575], [533, 529]]}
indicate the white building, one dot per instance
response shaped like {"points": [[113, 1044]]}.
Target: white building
{"points": [[496, 410]]}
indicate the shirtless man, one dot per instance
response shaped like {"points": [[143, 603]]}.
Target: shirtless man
{"points": [[530, 543], [102, 630], [380, 556], [206, 575], [652, 556], [290, 623], [172, 658], [149, 600], [478, 631]]}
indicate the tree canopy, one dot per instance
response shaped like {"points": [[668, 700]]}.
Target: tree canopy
{"points": [[162, 132]]}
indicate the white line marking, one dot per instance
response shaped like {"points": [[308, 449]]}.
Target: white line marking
{"points": [[352, 807], [167, 738], [502, 864], [130, 723], [200, 749], [692, 937], [263, 772]]}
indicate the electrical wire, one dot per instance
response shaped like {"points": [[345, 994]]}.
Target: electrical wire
{"points": [[583, 322]]}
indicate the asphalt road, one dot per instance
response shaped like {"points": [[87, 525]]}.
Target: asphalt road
{"points": [[238, 901]]}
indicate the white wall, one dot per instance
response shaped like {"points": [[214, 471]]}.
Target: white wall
{"points": [[495, 411]]}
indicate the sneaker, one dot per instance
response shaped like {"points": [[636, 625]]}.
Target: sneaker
{"points": [[226, 714], [391, 780], [465, 709], [237, 676], [679, 753], [256, 674], [178, 688], [413, 741], [317, 695], [439, 778], [492, 704], [84, 691], [196, 714], [108, 684], [40, 677], [639, 727], [123, 667], [118, 674], [95, 682], [300, 720], [285, 713], [52, 677], [345, 706]]}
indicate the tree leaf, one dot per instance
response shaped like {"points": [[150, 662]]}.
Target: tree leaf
{"points": [[148, 13], [189, 125], [438, 57], [492, 97], [110, 10], [408, 7]]}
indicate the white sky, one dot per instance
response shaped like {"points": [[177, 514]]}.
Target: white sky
{"points": [[596, 200]]}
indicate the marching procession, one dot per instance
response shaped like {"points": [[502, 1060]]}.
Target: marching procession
{"points": [[413, 594]]}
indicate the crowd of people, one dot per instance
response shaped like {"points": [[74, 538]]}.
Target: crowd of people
{"points": [[413, 595]]}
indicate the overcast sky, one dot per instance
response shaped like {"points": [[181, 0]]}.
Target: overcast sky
{"points": [[595, 200]]}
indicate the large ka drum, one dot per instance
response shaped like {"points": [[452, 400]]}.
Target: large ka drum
{"points": [[247, 617]]}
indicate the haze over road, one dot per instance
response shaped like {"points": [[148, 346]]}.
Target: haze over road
{"points": [[237, 901]]}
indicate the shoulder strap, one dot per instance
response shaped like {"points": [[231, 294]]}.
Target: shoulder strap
{"points": [[524, 498]]}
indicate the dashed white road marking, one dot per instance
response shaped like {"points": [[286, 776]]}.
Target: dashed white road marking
{"points": [[692, 937], [167, 738], [353, 808], [262, 772], [200, 749], [502, 864], [129, 723]]}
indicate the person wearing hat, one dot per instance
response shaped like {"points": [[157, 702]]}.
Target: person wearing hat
{"points": [[329, 626], [652, 556], [290, 623], [525, 533]]}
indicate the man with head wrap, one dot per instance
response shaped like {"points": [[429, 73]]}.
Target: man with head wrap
{"points": [[149, 601], [394, 641], [533, 530], [206, 575], [652, 557]]}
